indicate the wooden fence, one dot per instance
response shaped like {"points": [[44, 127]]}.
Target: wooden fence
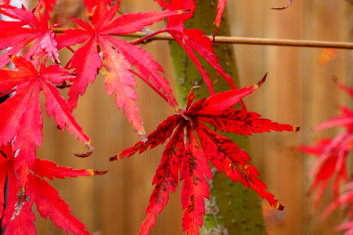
{"points": [[300, 90]]}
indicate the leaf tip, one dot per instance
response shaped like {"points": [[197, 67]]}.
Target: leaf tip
{"points": [[90, 148], [184, 11], [296, 128], [143, 137], [95, 172], [84, 155], [262, 81], [12, 57], [279, 206], [278, 8], [114, 158], [289, 3]]}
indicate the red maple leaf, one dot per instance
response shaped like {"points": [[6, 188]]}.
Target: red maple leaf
{"points": [[21, 119], [192, 144], [332, 153], [191, 40], [17, 217], [220, 10], [331, 164], [30, 26], [346, 200], [118, 58]]}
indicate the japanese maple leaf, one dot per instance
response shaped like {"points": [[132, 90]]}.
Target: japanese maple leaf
{"points": [[331, 164], [18, 217], [191, 40], [220, 10], [21, 119], [332, 153], [30, 26], [192, 144], [118, 58], [346, 200]]}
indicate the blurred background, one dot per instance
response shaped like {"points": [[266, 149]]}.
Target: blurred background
{"points": [[299, 90]]}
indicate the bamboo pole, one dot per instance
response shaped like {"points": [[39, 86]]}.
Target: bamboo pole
{"points": [[249, 40]]}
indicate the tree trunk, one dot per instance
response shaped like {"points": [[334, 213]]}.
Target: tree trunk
{"points": [[233, 208]]}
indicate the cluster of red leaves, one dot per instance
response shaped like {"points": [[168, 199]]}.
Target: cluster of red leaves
{"points": [[21, 113], [192, 144], [191, 40], [332, 155], [16, 212], [20, 135], [37, 71], [118, 58]]}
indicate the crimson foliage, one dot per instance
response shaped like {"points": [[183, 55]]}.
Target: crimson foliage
{"points": [[192, 143]]}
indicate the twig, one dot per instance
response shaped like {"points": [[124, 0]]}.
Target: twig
{"points": [[251, 41]]}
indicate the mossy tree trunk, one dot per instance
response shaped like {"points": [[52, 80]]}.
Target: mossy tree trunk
{"points": [[233, 209]]}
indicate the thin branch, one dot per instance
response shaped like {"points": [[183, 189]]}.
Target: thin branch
{"points": [[251, 41], [261, 41]]}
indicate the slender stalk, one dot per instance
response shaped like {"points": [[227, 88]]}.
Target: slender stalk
{"points": [[260, 41], [248, 40], [233, 208]]}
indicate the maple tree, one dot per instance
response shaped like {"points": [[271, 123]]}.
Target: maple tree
{"points": [[192, 143], [332, 158]]}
